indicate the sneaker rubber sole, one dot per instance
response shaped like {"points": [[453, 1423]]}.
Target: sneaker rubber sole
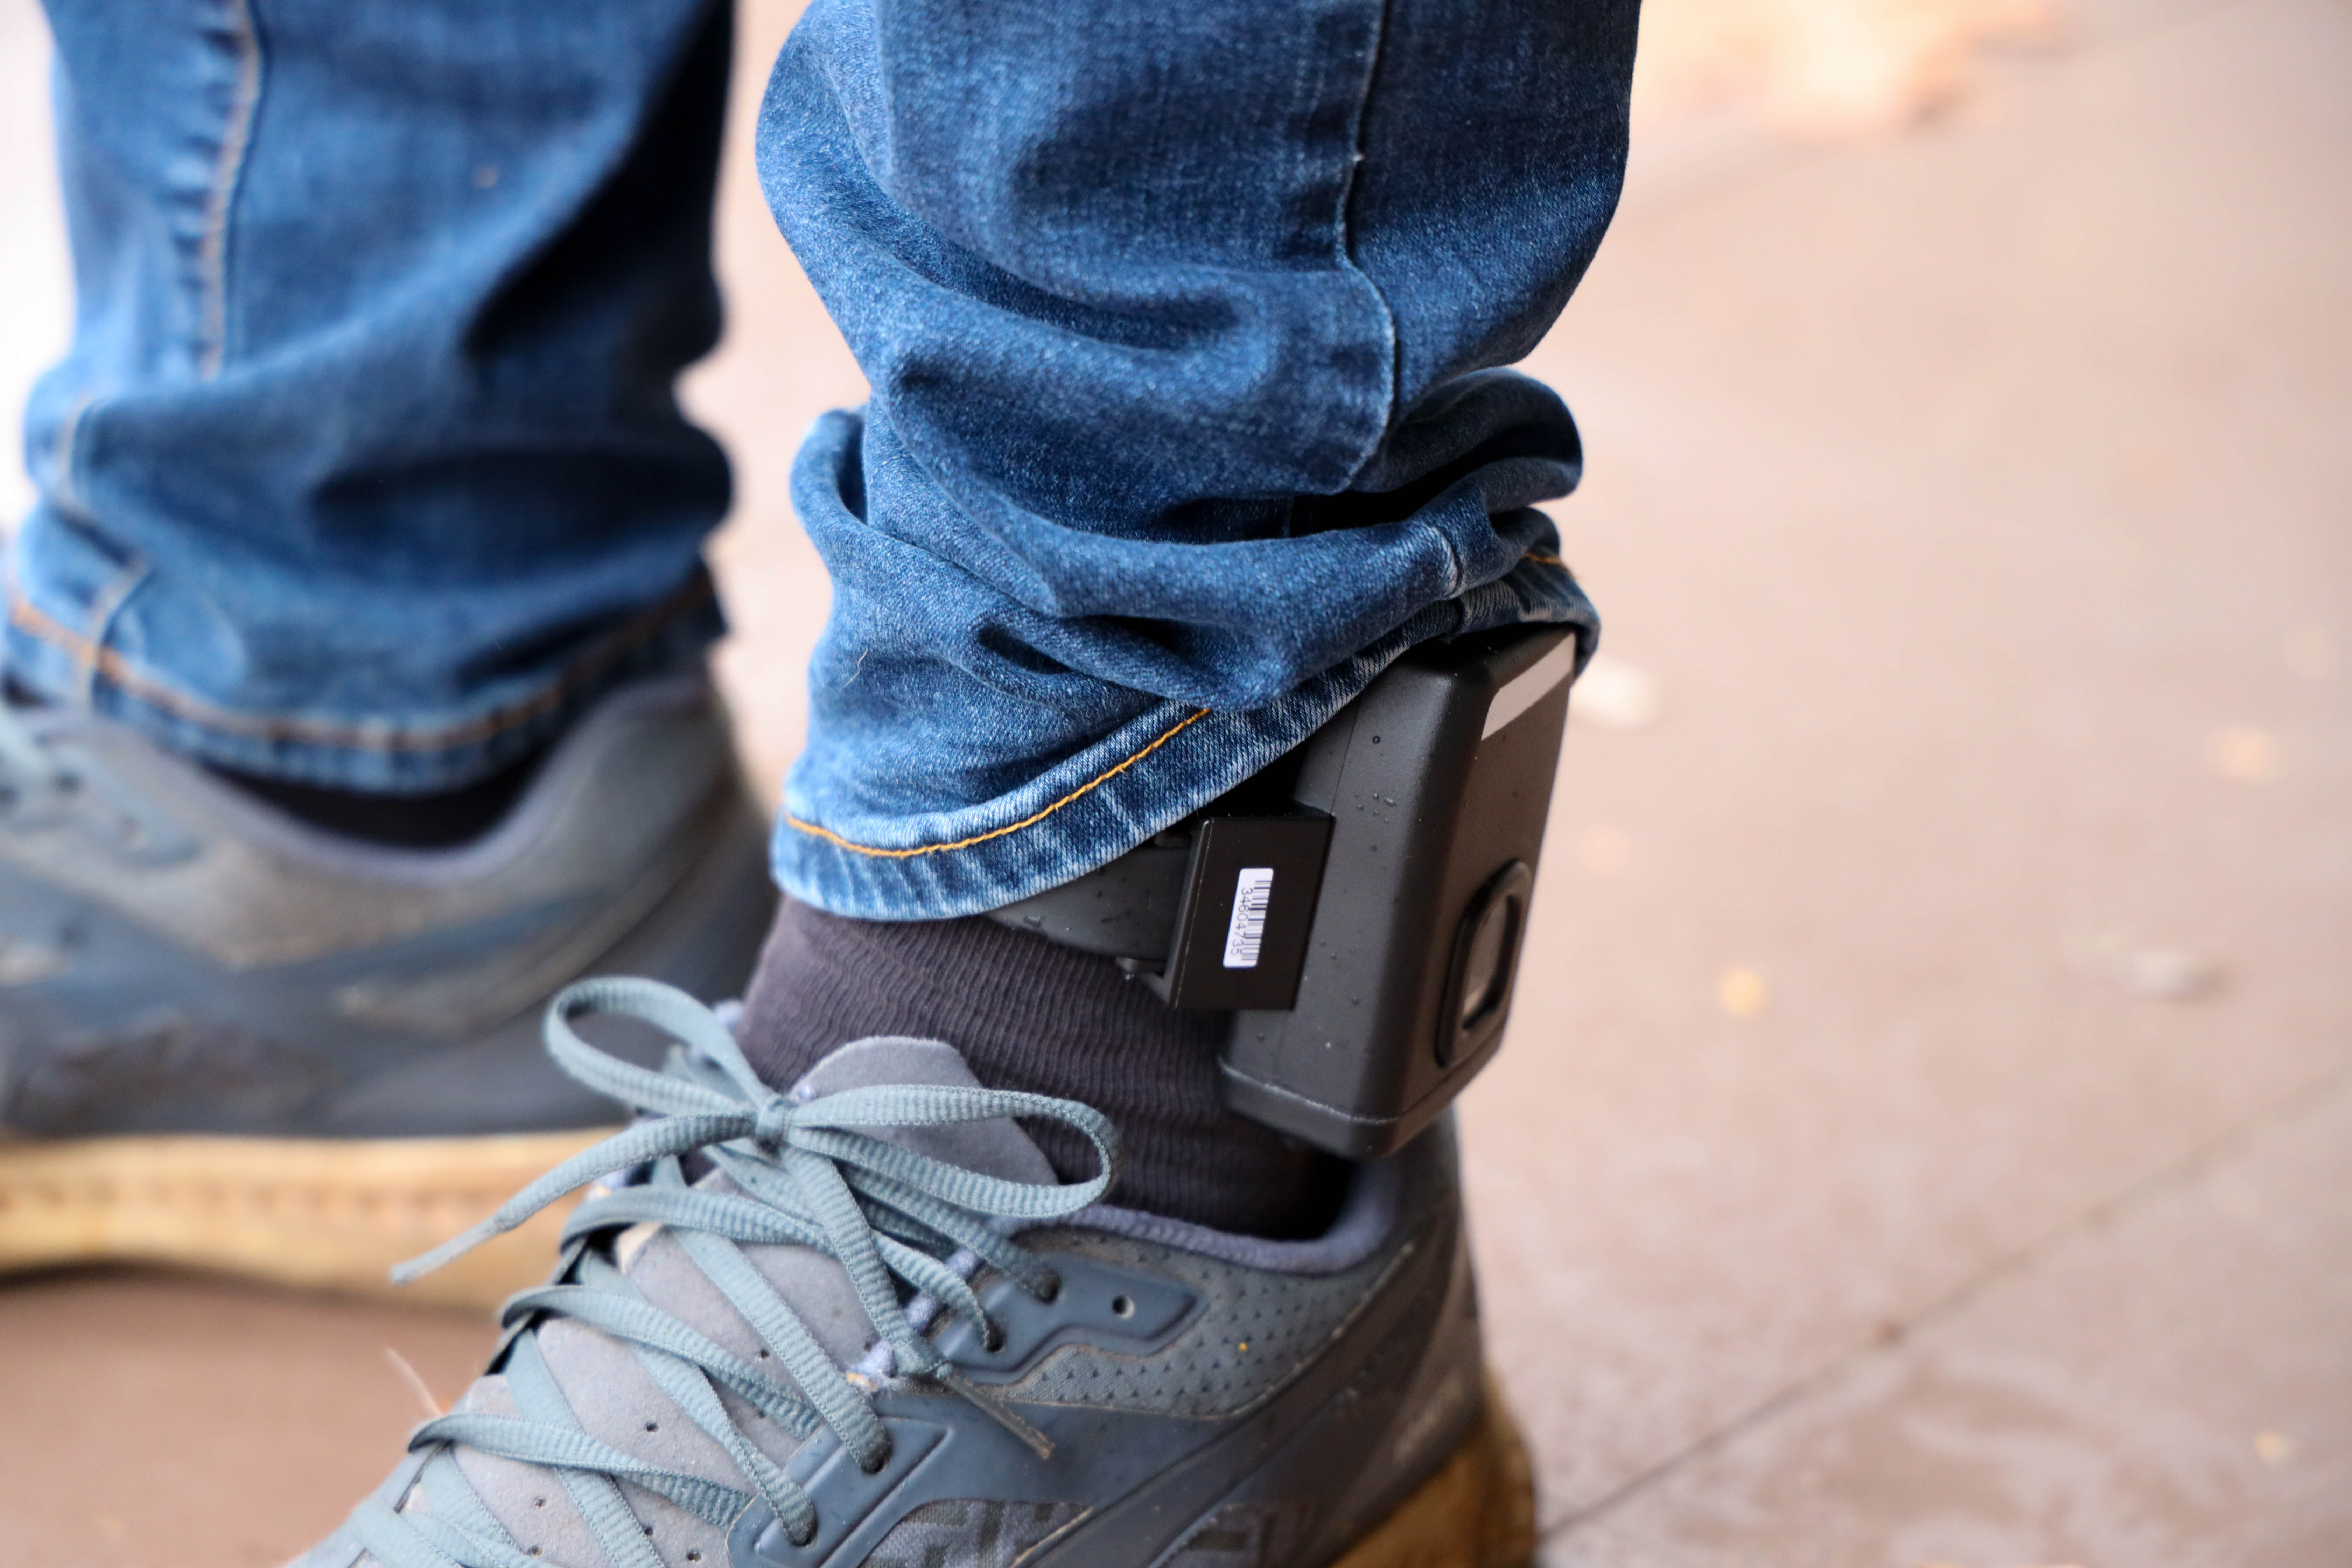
{"points": [[324, 1213], [1478, 1511]]}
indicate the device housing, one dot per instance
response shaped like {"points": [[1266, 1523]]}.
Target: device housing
{"points": [[1436, 782], [1360, 906]]}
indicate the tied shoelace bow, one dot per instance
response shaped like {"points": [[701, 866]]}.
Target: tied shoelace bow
{"points": [[804, 1173]]}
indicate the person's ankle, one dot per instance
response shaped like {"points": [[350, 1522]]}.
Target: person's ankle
{"points": [[1031, 1014]]}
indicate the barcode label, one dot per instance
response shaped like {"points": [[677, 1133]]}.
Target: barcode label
{"points": [[1247, 932]]}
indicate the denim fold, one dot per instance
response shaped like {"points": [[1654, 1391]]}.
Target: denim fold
{"points": [[1183, 327]]}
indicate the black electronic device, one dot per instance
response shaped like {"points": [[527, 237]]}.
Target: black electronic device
{"points": [[1361, 906]]}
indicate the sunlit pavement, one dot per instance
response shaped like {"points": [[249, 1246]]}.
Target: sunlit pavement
{"points": [[1926, 1132]]}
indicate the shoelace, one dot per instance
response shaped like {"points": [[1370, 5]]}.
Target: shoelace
{"points": [[805, 1173]]}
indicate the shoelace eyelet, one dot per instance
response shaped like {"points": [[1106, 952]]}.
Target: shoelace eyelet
{"points": [[588, 1278]]}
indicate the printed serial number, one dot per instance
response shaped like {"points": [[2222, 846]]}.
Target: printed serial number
{"points": [[1246, 934]]}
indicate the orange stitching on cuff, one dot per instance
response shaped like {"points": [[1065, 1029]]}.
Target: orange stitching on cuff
{"points": [[831, 837], [624, 640]]}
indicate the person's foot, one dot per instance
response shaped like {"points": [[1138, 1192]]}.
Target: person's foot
{"points": [[876, 1330], [235, 1040]]}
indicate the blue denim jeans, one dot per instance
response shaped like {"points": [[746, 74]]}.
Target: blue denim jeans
{"points": [[1181, 323]]}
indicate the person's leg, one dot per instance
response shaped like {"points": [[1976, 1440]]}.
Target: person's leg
{"points": [[363, 468], [1182, 329], [354, 663], [1177, 319], [1179, 325]]}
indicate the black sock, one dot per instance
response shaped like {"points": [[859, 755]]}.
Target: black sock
{"points": [[1032, 1015], [441, 821]]}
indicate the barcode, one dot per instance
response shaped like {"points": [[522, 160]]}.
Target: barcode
{"points": [[1252, 894]]}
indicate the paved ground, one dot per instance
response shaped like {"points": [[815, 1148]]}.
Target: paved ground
{"points": [[1927, 1138]]}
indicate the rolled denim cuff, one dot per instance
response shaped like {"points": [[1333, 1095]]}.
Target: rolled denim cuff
{"points": [[1138, 781]]}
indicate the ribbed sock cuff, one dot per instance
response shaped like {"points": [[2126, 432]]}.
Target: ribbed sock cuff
{"points": [[1032, 1015]]}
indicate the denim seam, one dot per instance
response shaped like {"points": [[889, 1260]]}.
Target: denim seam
{"points": [[237, 139], [1346, 237], [1457, 571], [132, 682], [105, 606], [1032, 820], [65, 449]]}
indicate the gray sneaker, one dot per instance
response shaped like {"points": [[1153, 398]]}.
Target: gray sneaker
{"points": [[876, 1330], [231, 1040]]}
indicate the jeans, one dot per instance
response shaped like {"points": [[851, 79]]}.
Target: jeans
{"points": [[1180, 321]]}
